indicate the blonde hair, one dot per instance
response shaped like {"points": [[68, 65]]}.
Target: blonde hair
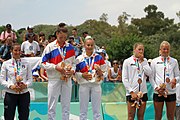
{"points": [[89, 38], [136, 45], [165, 43]]}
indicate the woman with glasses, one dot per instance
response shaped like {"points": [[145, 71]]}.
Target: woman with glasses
{"points": [[114, 73], [165, 75], [134, 73]]}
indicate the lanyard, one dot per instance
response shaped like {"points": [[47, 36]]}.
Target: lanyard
{"points": [[166, 67], [138, 67], [62, 51], [139, 72], [89, 62], [16, 67]]}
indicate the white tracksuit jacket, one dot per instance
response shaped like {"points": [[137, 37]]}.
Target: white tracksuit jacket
{"points": [[130, 75], [157, 77]]}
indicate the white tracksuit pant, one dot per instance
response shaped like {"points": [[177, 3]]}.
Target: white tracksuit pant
{"points": [[55, 89], [85, 90]]}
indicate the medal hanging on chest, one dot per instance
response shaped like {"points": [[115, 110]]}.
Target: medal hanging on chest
{"points": [[89, 63], [62, 51], [17, 69], [166, 69]]}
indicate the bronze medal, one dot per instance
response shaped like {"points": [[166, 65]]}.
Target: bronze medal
{"points": [[167, 80], [139, 80]]}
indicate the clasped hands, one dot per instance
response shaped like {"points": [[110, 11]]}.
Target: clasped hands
{"points": [[89, 76], [63, 71], [18, 87]]}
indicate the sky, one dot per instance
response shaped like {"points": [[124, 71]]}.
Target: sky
{"points": [[22, 13]]}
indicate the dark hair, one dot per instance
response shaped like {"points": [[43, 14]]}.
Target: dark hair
{"points": [[41, 34], [8, 26], [49, 37], [74, 29], [15, 44], [85, 32], [63, 30], [62, 25]]}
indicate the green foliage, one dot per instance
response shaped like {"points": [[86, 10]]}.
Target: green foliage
{"points": [[2, 28], [121, 48], [153, 23], [151, 30], [46, 29], [152, 43], [104, 17]]}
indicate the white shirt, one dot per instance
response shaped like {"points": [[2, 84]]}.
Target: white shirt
{"points": [[130, 75], [7, 75], [29, 48], [157, 66]]}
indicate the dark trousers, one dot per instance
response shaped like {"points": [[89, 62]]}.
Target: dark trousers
{"points": [[22, 101]]}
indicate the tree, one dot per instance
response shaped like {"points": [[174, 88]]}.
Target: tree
{"points": [[104, 17], [153, 22], [121, 48], [122, 19], [178, 14]]}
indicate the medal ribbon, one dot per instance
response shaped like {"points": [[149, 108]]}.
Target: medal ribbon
{"points": [[62, 51], [138, 67], [166, 67], [89, 63], [16, 68], [139, 72]]}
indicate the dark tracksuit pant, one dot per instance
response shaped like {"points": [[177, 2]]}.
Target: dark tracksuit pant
{"points": [[22, 101]]}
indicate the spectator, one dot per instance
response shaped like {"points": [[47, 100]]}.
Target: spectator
{"points": [[85, 34], [42, 42], [8, 33], [5, 50], [79, 42], [115, 73], [102, 52], [51, 38], [30, 48], [30, 30]]}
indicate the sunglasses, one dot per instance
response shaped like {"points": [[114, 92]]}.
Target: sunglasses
{"points": [[115, 63]]}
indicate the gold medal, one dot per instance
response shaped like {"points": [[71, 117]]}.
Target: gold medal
{"points": [[139, 80], [167, 80]]}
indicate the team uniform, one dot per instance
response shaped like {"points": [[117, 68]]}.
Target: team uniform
{"points": [[51, 56], [161, 70], [89, 88], [9, 70], [130, 76]]}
